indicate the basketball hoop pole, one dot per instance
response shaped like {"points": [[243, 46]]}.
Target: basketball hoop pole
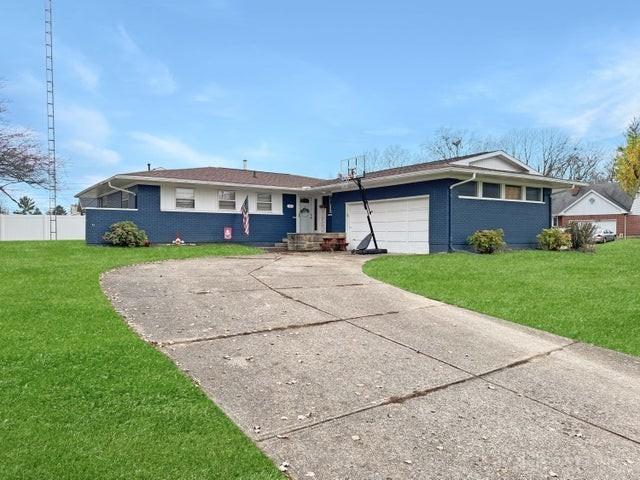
{"points": [[365, 202]]}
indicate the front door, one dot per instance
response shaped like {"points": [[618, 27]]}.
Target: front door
{"points": [[305, 215]]}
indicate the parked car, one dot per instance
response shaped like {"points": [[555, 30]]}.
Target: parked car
{"points": [[604, 236]]}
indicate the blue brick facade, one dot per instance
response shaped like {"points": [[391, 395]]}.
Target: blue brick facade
{"points": [[438, 191], [521, 221], [163, 227]]}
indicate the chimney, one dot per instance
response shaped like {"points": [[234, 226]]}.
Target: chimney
{"points": [[148, 167], [244, 164], [575, 190]]}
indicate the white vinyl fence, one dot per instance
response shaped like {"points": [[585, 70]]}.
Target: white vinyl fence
{"points": [[36, 227]]}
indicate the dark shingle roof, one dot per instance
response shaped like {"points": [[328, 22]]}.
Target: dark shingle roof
{"points": [[283, 180], [417, 167], [232, 175], [611, 191]]}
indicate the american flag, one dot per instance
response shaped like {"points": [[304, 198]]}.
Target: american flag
{"points": [[245, 216]]}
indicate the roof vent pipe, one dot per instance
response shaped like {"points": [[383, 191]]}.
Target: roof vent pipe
{"points": [[244, 164]]}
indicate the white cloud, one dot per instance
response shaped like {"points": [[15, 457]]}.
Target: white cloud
{"points": [[212, 92], [598, 103], [93, 152], [88, 131], [153, 72], [88, 75], [261, 151], [175, 150], [392, 131], [83, 123]]}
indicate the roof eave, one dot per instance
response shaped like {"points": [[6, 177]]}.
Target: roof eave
{"points": [[537, 178], [152, 179]]}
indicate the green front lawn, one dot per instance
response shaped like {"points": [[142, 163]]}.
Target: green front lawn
{"points": [[594, 298], [81, 396]]}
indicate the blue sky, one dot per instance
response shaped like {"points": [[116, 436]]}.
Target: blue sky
{"points": [[295, 86]]}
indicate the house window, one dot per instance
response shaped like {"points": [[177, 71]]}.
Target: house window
{"points": [[125, 200], [469, 189], [513, 192], [491, 190], [534, 194], [185, 198], [227, 200], [264, 202]]}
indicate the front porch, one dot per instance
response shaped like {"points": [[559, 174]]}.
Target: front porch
{"points": [[315, 242]]}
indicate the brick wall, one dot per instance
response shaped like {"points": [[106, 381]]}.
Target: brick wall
{"points": [[437, 190], [521, 221], [633, 222], [163, 227]]}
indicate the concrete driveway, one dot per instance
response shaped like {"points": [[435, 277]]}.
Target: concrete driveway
{"points": [[338, 376]]}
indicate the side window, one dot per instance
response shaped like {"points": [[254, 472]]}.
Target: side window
{"points": [[125, 200], [513, 192], [185, 198], [534, 194], [264, 202], [469, 189], [227, 200], [491, 190]]}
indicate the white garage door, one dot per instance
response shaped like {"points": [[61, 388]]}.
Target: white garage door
{"points": [[605, 225], [401, 225]]}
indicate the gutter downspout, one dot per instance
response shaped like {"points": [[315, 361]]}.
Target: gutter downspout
{"points": [[120, 189], [451, 187], [124, 191]]}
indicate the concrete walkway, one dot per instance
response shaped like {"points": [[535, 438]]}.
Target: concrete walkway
{"points": [[338, 376]]}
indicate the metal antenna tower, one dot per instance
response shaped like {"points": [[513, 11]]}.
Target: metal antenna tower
{"points": [[51, 121]]}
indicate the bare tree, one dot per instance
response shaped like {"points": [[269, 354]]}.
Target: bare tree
{"points": [[389, 157], [21, 159], [450, 143], [549, 151]]}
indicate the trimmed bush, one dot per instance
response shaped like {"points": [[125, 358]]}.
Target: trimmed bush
{"points": [[126, 234], [554, 239], [582, 235], [487, 241]]}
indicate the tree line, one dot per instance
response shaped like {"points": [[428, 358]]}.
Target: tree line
{"points": [[549, 151]]}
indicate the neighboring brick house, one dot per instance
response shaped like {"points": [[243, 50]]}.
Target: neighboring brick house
{"points": [[428, 207], [604, 204]]}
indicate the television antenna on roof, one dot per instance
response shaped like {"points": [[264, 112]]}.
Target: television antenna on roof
{"points": [[52, 174]]}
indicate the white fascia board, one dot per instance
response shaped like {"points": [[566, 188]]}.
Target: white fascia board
{"points": [[134, 179], [583, 197], [498, 153], [534, 180]]}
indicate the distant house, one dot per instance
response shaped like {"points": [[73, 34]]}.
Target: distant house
{"points": [[428, 207], [604, 204]]}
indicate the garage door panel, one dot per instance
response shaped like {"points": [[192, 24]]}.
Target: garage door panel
{"points": [[401, 225]]}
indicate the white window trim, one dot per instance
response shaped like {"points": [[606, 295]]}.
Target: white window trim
{"points": [[502, 198], [235, 201], [207, 201], [185, 209], [270, 202]]}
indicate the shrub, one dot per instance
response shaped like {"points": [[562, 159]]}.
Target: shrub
{"points": [[487, 241], [126, 234], [581, 235], [554, 239]]}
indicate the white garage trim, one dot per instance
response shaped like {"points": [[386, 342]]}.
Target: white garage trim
{"points": [[401, 231]]}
